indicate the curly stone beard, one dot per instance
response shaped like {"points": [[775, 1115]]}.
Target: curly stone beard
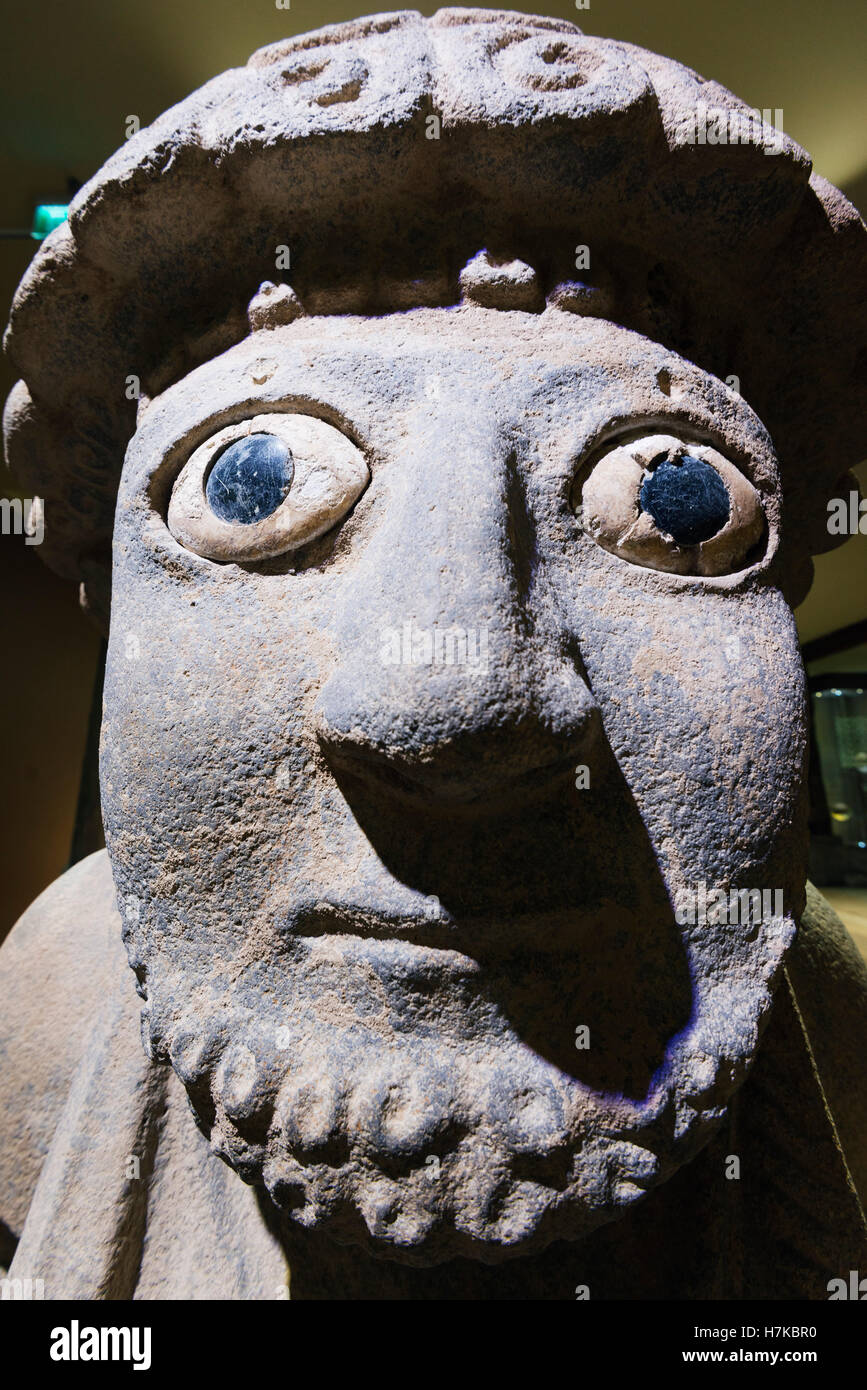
{"points": [[451, 1137]]}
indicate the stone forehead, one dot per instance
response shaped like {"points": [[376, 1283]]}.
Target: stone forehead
{"points": [[542, 138]]}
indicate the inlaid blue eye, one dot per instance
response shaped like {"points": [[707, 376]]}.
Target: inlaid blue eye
{"points": [[687, 499], [250, 479]]}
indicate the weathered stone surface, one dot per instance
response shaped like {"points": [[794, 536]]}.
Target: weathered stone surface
{"points": [[412, 785]]}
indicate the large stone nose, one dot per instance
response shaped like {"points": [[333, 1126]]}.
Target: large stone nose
{"points": [[447, 683]]}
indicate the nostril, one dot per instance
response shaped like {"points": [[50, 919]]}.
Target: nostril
{"points": [[489, 768], [449, 785]]}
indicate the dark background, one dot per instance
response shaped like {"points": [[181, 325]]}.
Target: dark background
{"points": [[71, 75]]}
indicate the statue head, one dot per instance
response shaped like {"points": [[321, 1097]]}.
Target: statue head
{"points": [[462, 424]]}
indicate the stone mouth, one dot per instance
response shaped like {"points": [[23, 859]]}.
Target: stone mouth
{"points": [[534, 980], [432, 927]]}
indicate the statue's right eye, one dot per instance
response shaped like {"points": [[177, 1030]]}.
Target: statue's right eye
{"points": [[264, 486]]}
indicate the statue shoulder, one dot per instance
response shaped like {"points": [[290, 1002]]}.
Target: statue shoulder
{"points": [[828, 976], [80, 1103], [55, 966]]}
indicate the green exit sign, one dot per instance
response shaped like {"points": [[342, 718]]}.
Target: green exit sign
{"points": [[46, 217]]}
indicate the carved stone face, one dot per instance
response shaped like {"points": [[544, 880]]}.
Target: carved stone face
{"points": [[403, 816]]}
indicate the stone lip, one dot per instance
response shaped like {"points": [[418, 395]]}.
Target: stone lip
{"points": [[513, 134]]}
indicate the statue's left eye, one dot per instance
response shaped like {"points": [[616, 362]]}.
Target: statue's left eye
{"points": [[250, 479], [659, 501]]}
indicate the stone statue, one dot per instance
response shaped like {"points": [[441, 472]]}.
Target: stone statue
{"points": [[451, 407]]}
